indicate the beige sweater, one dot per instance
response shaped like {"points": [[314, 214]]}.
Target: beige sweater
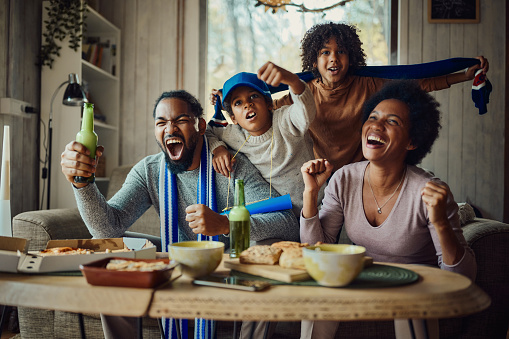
{"points": [[292, 146], [336, 129]]}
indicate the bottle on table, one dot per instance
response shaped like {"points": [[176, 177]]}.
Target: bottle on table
{"points": [[88, 138], [240, 222]]}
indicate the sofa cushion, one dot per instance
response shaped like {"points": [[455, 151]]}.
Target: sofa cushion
{"points": [[149, 221], [41, 226], [488, 238], [117, 179], [466, 213], [35, 323]]}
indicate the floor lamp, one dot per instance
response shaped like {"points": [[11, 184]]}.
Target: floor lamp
{"points": [[73, 96]]}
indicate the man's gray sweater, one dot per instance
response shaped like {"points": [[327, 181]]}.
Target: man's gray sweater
{"points": [[112, 218]]}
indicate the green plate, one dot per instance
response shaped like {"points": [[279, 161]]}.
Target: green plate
{"points": [[375, 276]]}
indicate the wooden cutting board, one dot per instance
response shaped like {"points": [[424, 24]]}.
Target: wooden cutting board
{"points": [[275, 272]]}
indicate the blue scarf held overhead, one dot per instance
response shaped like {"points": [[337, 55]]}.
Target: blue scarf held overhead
{"points": [[168, 205], [480, 95]]}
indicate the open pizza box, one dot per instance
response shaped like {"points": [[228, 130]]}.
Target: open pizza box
{"points": [[11, 251], [33, 262]]}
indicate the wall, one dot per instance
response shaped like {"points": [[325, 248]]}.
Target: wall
{"points": [[20, 34], [160, 52], [469, 154]]}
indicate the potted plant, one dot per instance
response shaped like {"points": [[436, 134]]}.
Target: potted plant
{"points": [[65, 19]]}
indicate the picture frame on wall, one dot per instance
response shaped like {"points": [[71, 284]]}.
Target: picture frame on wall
{"points": [[454, 11]]}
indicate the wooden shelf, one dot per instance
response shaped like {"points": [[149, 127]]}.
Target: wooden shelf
{"points": [[103, 88], [96, 23], [93, 72]]}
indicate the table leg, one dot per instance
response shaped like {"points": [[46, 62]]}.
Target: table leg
{"points": [[426, 334], [5, 315], [82, 326], [161, 329], [139, 327], [235, 329], [411, 327]]}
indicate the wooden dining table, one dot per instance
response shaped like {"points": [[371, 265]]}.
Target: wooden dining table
{"points": [[435, 294]]}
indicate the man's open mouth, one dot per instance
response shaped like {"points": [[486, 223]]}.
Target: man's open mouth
{"points": [[175, 146], [375, 140]]}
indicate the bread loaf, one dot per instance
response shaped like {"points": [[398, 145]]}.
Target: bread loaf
{"points": [[260, 254], [289, 244], [292, 258]]}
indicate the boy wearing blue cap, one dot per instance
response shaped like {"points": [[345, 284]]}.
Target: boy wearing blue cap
{"points": [[276, 142]]}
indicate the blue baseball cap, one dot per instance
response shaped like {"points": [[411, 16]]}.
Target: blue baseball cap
{"points": [[245, 79]]}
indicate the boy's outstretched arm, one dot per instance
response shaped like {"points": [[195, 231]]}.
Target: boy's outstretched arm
{"points": [[274, 75], [469, 73]]}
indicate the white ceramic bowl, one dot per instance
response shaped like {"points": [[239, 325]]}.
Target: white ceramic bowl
{"points": [[197, 258], [334, 264]]}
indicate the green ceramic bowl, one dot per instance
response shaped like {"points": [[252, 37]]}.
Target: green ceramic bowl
{"points": [[334, 265], [197, 258]]}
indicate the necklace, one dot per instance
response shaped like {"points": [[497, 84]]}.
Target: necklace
{"points": [[270, 175], [385, 203]]}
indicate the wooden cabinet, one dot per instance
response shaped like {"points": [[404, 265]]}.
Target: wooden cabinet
{"points": [[102, 83]]}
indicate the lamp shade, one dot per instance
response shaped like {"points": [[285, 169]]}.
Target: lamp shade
{"points": [[74, 95]]}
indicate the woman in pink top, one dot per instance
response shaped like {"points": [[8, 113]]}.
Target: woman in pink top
{"points": [[399, 212]]}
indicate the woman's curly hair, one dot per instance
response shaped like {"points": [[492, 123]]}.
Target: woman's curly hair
{"points": [[317, 36], [423, 114]]}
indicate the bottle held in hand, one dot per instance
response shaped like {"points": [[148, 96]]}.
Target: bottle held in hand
{"points": [[88, 138], [240, 222]]}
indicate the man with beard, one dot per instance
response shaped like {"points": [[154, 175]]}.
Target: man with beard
{"points": [[173, 181]]}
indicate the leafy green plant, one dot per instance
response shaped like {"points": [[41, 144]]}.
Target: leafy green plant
{"points": [[281, 4], [66, 18]]}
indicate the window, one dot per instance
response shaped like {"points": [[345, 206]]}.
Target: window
{"points": [[242, 36]]}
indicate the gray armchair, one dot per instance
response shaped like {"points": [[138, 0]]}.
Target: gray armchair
{"points": [[40, 227]]}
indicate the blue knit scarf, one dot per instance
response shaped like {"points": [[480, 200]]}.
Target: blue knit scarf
{"points": [[168, 205], [480, 94]]}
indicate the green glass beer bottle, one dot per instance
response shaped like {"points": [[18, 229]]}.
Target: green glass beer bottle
{"points": [[88, 138], [240, 222]]}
